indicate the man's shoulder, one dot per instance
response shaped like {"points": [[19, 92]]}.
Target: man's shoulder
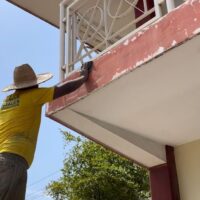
{"points": [[42, 95], [40, 89]]}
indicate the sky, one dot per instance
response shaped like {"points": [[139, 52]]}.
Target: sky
{"points": [[27, 39]]}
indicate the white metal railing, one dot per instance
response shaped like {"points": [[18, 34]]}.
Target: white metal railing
{"points": [[88, 27]]}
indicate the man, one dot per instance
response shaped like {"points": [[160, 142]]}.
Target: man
{"points": [[20, 116]]}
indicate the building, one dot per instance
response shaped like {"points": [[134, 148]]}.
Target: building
{"points": [[142, 98]]}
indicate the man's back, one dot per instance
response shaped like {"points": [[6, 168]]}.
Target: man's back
{"points": [[20, 117]]}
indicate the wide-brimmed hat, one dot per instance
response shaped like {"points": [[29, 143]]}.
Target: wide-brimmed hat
{"points": [[25, 77]]}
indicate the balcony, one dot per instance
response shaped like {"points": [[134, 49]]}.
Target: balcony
{"points": [[142, 91], [94, 27]]}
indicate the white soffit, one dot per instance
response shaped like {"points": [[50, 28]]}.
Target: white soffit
{"points": [[47, 10]]}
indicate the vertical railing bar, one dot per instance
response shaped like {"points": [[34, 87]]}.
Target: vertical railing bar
{"points": [[62, 42], [170, 5], [105, 20], [73, 39], [145, 5], [76, 35], [158, 11], [68, 40]]}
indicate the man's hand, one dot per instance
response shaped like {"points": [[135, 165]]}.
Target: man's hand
{"points": [[86, 68], [72, 85]]}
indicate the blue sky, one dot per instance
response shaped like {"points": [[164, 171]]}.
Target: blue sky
{"points": [[26, 39]]}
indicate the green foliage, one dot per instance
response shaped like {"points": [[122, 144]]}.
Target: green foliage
{"points": [[92, 172]]}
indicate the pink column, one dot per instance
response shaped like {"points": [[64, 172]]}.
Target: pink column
{"points": [[163, 179]]}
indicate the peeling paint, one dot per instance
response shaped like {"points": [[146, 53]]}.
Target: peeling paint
{"points": [[174, 43], [149, 57], [195, 19], [146, 28], [186, 32], [126, 42], [133, 39], [196, 31], [159, 51], [140, 33], [138, 63], [118, 74]]}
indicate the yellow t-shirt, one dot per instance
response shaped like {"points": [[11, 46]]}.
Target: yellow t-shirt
{"points": [[20, 117]]}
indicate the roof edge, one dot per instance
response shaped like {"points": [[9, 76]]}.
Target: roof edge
{"points": [[26, 10]]}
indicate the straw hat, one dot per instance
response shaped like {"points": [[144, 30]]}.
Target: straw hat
{"points": [[25, 77]]}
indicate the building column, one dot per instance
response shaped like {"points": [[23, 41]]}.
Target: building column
{"points": [[163, 179]]}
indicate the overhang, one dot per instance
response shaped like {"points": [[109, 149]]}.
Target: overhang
{"points": [[45, 9], [144, 93]]}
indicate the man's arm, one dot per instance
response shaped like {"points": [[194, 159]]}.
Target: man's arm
{"points": [[72, 85]]}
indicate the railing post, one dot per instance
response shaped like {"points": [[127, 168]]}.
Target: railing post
{"points": [[68, 40], [62, 41], [73, 41], [170, 5], [70, 36], [105, 20], [158, 11]]}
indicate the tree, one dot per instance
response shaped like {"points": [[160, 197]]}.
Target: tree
{"points": [[92, 172]]}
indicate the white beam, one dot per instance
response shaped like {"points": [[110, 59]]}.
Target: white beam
{"points": [[139, 149]]}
